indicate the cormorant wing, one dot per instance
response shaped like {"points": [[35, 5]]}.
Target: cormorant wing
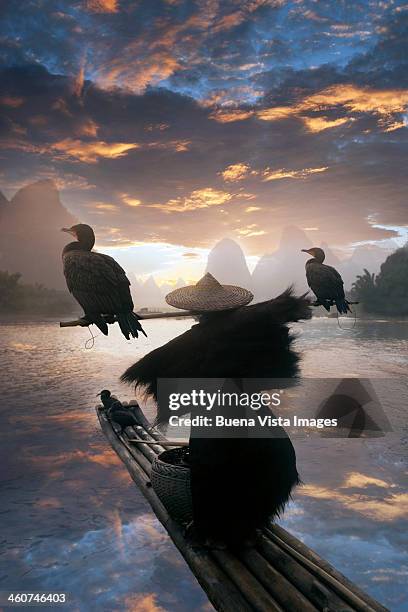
{"points": [[324, 281], [98, 282]]}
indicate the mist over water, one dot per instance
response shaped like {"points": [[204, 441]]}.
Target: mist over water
{"points": [[73, 521]]}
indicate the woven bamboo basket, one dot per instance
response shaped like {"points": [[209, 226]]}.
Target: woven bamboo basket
{"points": [[172, 485]]}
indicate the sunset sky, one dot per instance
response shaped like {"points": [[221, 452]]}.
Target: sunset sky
{"points": [[170, 124]]}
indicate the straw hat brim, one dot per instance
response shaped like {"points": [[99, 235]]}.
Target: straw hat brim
{"points": [[223, 297]]}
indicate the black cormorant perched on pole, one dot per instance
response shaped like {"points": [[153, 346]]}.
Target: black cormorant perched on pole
{"points": [[325, 282], [98, 283]]}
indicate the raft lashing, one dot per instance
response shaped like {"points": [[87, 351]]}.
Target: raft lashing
{"points": [[279, 573]]}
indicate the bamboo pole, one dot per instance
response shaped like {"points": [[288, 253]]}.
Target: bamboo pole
{"points": [[340, 587], [150, 443], [285, 593], [83, 322], [300, 577], [255, 592]]}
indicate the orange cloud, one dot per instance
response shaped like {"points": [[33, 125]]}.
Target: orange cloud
{"points": [[137, 74], [142, 603], [103, 206], [277, 112], [200, 198], [396, 125], [276, 175], [230, 115], [383, 103], [390, 508], [235, 172], [249, 231], [318, 124], [91, 152], [358, 99], [102, 6], [189, 256], [358, 480], [130, 201]]}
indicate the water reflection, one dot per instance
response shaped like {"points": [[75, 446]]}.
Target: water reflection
{"points": [[74, 521]]}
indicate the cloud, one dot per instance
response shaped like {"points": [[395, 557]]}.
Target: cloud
{"points": [[394, 506], [200, 198], [104, 206], [231, 115], [142, 602], [102, 6], [235, 172], [276, 175], [130, 201], [190, 255], [318, 124], [250, 231], [353, 100], [91, 152]]}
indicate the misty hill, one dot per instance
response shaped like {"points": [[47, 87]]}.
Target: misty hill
{"points": [[148, 294], [275, 271], [227, 263], [30, 237]]}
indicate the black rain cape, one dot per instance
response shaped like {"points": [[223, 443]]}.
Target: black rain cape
{"points": [[237, 483]]}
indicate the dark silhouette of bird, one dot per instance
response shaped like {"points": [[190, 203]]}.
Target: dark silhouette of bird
{"points": [[107, 398], [325, 282], [237, 484], [98, 283], [116, 411]]}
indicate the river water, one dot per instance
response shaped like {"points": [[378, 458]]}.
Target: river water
{"points": [[73, 521]]}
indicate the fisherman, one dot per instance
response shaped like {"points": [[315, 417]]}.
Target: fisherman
{"points": [[237, 483]]}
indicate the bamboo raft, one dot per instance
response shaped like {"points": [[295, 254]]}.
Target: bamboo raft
{"points": [[279, 573]]}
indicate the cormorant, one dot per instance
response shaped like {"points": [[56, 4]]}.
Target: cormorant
{"points": [[116, 411], [325, 282], [98, 283], [107, 398]]}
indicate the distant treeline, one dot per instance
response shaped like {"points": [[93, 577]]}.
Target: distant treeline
{"points": [[386, 293], [18, 298]]}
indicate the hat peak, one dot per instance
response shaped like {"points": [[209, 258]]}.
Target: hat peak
{"points": [[208, 281]]}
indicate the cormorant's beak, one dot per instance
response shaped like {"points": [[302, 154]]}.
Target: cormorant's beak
{"points": [[68, 230], [305, 251]]}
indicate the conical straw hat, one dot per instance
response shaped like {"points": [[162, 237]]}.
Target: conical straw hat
{"points": [[209, 295]]}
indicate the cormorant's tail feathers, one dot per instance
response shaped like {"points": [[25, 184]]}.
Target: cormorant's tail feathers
{"points": [[343, 306], [99, 321], [129, 324], [135, 325], [123, 324]]}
